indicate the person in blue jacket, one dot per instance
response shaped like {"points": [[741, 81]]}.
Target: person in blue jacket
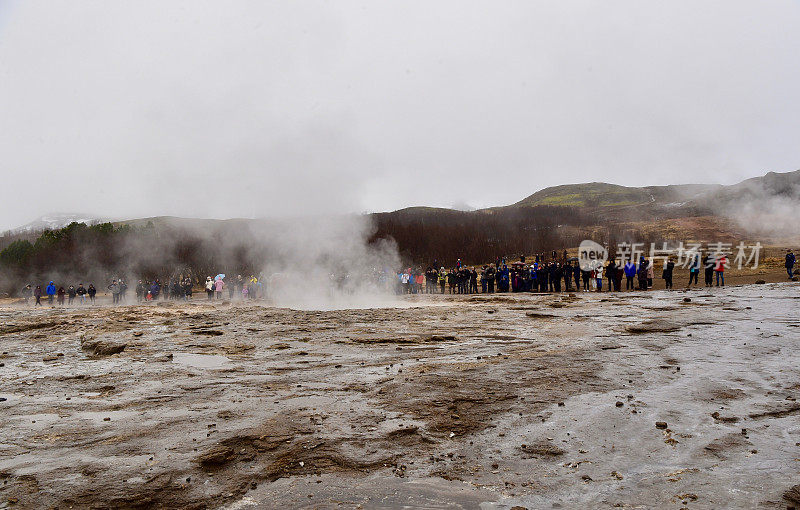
{"points": [[155, 289], [790, 259], [630, 274], [50, 290], [504, 278]]}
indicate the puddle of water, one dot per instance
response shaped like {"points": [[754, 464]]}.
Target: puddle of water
{"points": [[200, 360]]}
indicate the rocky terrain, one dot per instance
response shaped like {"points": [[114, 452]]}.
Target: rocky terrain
{"points": [[632, 400]]}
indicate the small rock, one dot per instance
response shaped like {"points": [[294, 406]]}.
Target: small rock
{"points": [[661, 425], [106, 419], [103, 347], [687, 300], [216, 456], [616, 475], [619, 403]]}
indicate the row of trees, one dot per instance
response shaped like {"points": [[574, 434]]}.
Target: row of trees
{"points": [[80, 253], [95, 254], [424, 235]]}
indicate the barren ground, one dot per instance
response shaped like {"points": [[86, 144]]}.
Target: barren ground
{"points": [[442, 402]]}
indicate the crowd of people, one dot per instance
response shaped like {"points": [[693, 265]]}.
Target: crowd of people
{"points": [[178, 288], [557, 274], [60, 294]]}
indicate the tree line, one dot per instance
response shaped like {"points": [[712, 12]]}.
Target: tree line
{"points": [[97, 253]]}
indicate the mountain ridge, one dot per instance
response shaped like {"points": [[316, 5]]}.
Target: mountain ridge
{"points": [[606, 201]]}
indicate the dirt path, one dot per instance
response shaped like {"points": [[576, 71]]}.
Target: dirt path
{"points": [[447, 402]]}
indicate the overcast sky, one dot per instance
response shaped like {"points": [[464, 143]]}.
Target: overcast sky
{"points": [[229, 109]]}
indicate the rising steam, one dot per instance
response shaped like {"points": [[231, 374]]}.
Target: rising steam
{"points": [[328, 263]]}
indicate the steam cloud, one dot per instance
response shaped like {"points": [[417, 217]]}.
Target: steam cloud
{"points": [[327, 263]]}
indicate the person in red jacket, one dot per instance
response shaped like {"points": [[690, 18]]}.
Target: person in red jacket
{"points": [[719, 268]]}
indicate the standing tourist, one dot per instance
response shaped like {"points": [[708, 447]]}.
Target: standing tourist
{"points": [[209, 288], [719, 267], [81, 292], [51, 292], [666, 274]]}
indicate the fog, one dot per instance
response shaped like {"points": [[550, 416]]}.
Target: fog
{"points": [[252, 109], [765, 206], [327, 263]]}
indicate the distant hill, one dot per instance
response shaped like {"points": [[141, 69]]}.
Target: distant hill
{"points": [[601, 194], [52, 221], [587, 195], [762, 207]]}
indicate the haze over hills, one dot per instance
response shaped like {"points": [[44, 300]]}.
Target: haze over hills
{"points": [[764, 204], [56, 220]]}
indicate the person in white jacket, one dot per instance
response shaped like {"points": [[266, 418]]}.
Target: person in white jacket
{"points": [[598, 275], [210, 288]]}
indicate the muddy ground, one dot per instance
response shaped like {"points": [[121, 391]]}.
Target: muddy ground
{"points": [[633, 400]]}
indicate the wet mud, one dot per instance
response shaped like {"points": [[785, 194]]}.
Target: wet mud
{"points": [[532, 401]]}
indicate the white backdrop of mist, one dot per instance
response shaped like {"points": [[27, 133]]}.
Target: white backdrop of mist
{"points": [[327, 262], [244, 109], [764, 207]]}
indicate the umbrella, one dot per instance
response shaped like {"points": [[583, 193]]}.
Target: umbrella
{"points": [[219, 276]]}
